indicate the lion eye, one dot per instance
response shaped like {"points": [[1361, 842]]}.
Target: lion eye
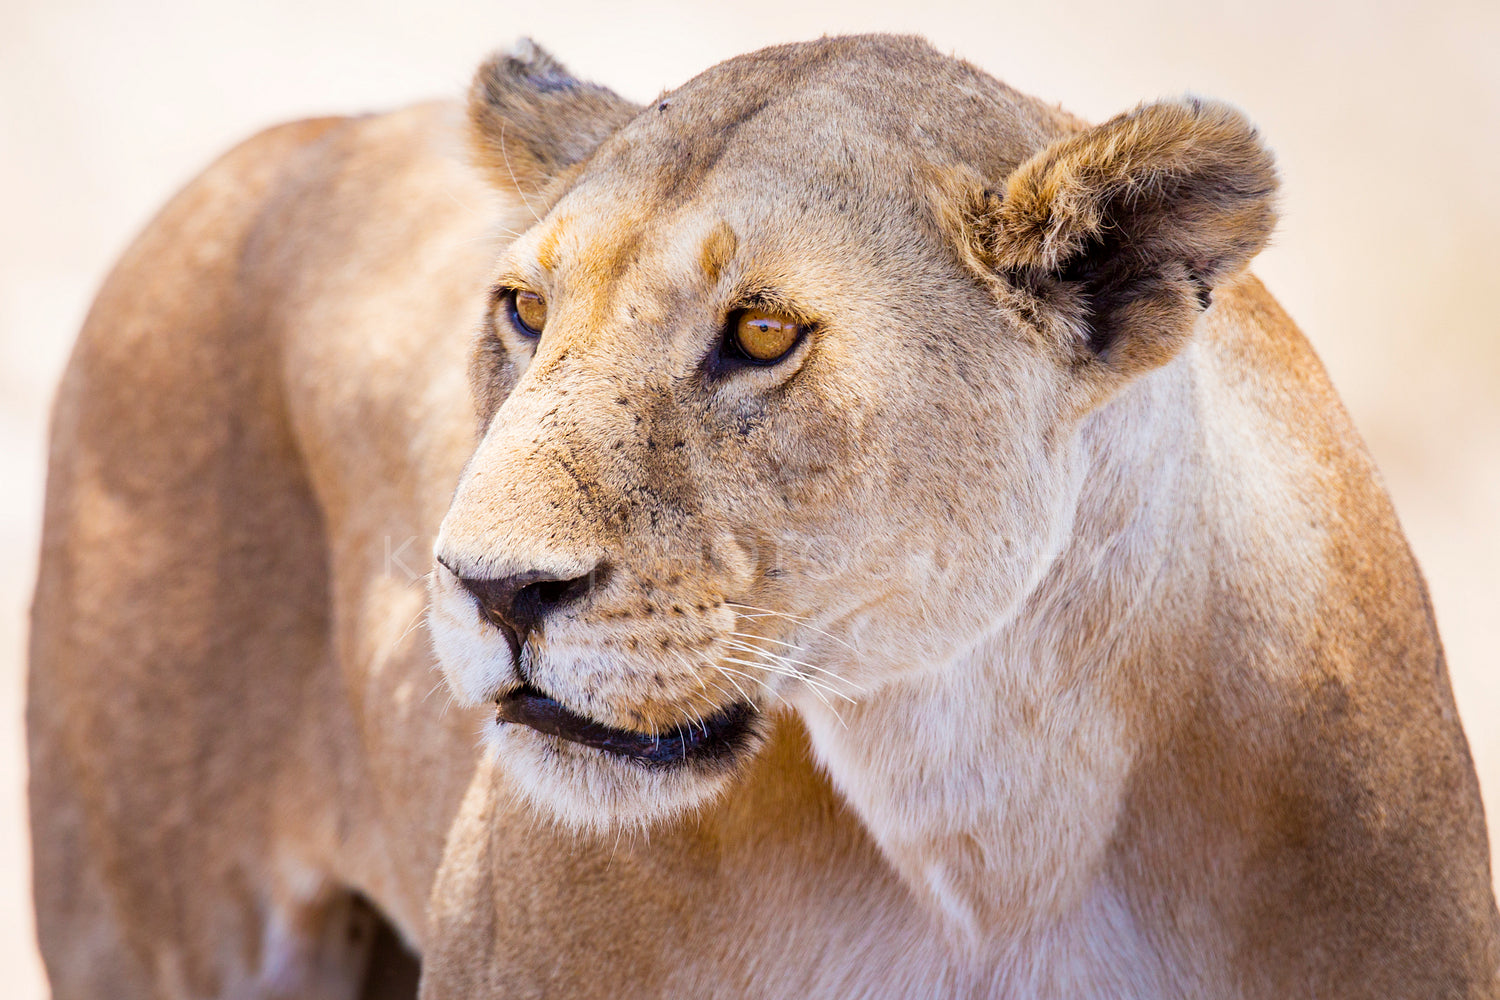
{"points": [[528, 310], [762, 336]]}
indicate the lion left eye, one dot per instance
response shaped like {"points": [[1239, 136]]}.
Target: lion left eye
{"points": [[762, 337], [528, 312]]}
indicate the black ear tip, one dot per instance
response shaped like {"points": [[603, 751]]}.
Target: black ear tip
{"points": [[526, 50], [527, 60]]}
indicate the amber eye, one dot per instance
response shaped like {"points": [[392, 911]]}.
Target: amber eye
{"points": [[762, 336], [528, 311]]}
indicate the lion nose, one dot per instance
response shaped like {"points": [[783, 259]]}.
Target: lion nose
{"points": [[523, 602]]}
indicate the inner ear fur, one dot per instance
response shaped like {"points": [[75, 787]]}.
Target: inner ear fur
{"points": [[530, 119], [1118, 234]]}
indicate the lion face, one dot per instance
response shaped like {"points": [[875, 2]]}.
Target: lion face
{"points": [[696, 536], [761, 429]]}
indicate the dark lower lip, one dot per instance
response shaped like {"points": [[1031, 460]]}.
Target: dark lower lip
{"points": [[716, 739]]}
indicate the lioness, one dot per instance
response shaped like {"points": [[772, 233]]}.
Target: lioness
{"points": [[900, 552]]}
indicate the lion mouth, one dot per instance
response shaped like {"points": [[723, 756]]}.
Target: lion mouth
{"points": [[715, 739]]}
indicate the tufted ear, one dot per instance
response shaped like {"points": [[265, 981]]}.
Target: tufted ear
{"points": [[530, 119], [1118, 234]]}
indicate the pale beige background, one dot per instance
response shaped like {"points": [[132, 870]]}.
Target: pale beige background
{"points": [[1386, 119]]}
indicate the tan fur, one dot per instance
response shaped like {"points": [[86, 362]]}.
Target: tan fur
{"points": [[1090, 658]]}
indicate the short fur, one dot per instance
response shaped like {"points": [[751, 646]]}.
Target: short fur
{"points": [[1090, 657]]}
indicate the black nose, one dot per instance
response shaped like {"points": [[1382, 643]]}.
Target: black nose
{"points": [[523, 602]]}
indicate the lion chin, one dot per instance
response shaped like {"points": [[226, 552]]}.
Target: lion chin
{"points": [[586, 773], [592, 776], [594, 790]]}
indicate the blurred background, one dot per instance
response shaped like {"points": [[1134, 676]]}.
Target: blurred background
{"points": [[1386, 119]]}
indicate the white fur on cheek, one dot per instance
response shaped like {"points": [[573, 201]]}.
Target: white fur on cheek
{"points": [[477, 666]]}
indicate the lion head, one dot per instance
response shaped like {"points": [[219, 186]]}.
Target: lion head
{"points": [[780, 391]]}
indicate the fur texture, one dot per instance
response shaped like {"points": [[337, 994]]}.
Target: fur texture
{"points": [[1088, 654]]}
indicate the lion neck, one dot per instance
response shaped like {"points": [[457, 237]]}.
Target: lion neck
{"points": [[995, 783]]}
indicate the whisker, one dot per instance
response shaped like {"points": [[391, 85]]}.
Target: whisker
{"points": [[519, 190], [695, 671], [614, 850], [766, 638], [796, 675], [818, 692], [727, 671], [765, 611], [803, 622], [732, 681], [725, 694], [734, 644], [814, 688], [415, 622], [769, 668], [454, 198], [720, 688], [701, 724]]}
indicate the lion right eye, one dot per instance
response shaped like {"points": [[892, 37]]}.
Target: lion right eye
{"points": [[528, 311], [761, 337]]}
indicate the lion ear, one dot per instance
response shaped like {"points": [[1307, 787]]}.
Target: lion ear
{"points": [[1123, 230], [530, 119]]}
